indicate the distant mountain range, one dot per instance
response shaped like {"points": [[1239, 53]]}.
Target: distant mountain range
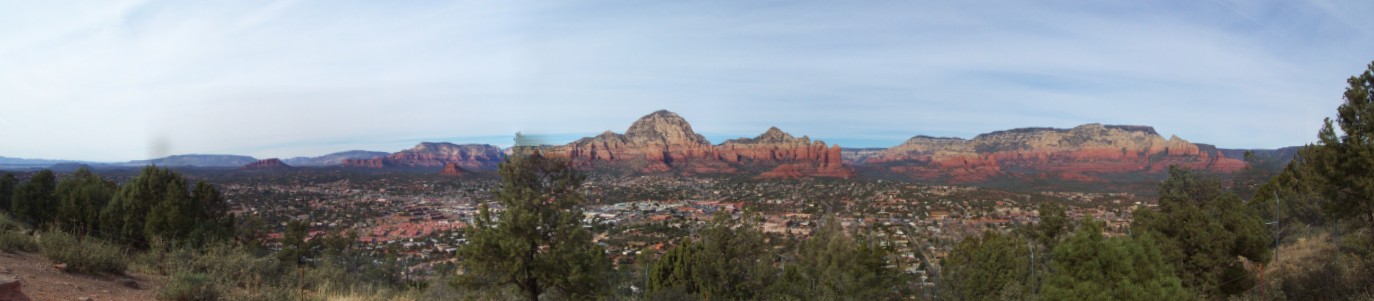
{"points": [[664, 142]]}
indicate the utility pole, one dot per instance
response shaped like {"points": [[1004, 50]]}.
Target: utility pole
{"points": [[1277, 231], [1032, 268]]}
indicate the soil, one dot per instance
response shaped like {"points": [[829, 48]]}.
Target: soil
{"points": [[41, 281]]}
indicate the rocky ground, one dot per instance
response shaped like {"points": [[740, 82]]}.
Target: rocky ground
{"points": [[39, 280]]}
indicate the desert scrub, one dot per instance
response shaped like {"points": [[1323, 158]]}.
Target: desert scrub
{"points": [[189, 287], [87, 256], [16, 241]]}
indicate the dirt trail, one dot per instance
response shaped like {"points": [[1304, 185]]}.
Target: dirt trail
{"points": [[41, 282]]}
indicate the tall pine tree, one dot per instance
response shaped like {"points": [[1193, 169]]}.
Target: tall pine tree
{"points": [[536, 243]]}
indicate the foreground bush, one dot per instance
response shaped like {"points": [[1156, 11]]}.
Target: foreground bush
{"points": [[189, 287], [87, 256], [14, 241]]}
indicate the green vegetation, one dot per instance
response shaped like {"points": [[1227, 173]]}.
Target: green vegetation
{"points": [[88, 256], [835, 265], [33, 201], [1205, 233], [993, 266], [1088, 266], [537, 243]]}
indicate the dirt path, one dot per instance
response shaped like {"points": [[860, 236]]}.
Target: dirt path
{"points": [[41, 282]]}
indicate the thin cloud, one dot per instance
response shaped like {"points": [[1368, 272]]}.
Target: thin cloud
{"points": [[290, 78]]}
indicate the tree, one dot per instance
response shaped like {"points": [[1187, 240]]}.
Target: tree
{"points": [[537, 243], [674, 271], [730, 261], [35, 202], [835, 265], [171, 217], [294, 247], [1090, 267], [158, 204], [7, 185], [1054, 223], [1297, 187], [1349, 154], [125, 217], [993, 266], [80, 199], [1204, 232], [211, 213]]}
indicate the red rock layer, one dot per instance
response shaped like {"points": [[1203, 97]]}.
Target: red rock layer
{"points": [[453, 170], [1083, 153], [430, 154], [266, 164], [664, 142]]}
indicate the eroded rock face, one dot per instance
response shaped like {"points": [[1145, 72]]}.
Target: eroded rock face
{"points": [[272, 163], [432, 154], [452, 169], [664, 142], [1082, 153]]}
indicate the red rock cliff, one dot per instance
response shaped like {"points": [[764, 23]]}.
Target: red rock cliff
{"points": [[266, 164], [1082, 153], [431, 154], [664, 142]]}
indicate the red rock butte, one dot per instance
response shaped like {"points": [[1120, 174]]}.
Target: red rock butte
{"points": [[432, 154], [272, 163], [1084, 153], [453, 170], [664, 142]]}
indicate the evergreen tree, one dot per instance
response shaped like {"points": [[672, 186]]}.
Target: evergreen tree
{"points": [[1297, 187], [211, 213], [81, 197], [834, 265], [173, 217], [993, 266], [125, 218], [35, 202], [1054, 223], [294, 247], [734, 259], [1090, 267], [674, 270], [8, 183], [537, 243], [1348, 156], [1204, 231]]}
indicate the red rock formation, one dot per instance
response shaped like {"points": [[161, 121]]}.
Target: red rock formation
{"points": [[1083, 153], [430, 154], [272, 163], [453, 170], [663, 141]]}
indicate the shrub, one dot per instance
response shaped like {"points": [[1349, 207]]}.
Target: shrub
{"points": [[13, 241], [189, 287], [87, 256]]}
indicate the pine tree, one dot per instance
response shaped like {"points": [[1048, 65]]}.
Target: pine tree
{"points": [[1088, 266], [125, 217], [835, 265], [993, 266], [1203, 231], [35, 201], [171, 218], [8, 183], [536, 243], [1349, 155], [81, 197]]}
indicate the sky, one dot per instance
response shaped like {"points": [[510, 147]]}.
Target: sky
{"points": [[125, 80]]}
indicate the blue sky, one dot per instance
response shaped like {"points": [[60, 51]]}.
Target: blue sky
{"points": [[123, 80]]}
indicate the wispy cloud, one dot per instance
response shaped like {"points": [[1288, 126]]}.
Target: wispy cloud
{"points": [[120, 80]]}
